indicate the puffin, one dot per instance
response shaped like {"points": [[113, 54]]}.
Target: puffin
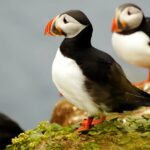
{"points": [[8, 130], [131, 36], [86, 76]]}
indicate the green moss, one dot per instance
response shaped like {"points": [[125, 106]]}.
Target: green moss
{"points": [[91, 146], [117, 134]]}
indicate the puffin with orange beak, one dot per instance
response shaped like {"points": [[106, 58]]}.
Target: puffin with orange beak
{"points": [[89, 78], [131, 36]]}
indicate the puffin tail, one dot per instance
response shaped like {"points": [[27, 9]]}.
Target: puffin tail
{"points": [[141, 99]]}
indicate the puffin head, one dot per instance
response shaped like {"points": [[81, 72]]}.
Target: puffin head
{"points": [[127, 17], [68, 24]]}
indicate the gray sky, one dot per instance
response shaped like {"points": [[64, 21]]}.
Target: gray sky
{"points": [[27, 93]]}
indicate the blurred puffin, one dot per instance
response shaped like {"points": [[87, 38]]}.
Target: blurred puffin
{"points": [[8, 130], [131, 36], [89, 78]]}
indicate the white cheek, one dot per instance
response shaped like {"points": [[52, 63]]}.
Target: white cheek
{"points": [[72, 29], [135, 20], [59, 22]]}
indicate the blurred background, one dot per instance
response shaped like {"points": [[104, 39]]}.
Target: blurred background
{"points": [[27, 93]]}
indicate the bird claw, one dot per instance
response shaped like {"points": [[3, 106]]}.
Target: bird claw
{"points": [[88, 123], [85, 125], [98, 121]]}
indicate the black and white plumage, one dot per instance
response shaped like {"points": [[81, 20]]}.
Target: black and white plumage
{"points": [[89, 78], [131, 35]]}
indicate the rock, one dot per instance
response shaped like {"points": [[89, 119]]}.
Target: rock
{"points": [[67, 114], [128, 133]]}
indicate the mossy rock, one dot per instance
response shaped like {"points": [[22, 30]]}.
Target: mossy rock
{"points": [[130, 133]]}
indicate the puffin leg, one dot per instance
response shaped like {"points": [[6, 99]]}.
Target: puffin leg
{"points": [[148, 79], [89, 122], [140, 84], [85, 125], [98, 121]]}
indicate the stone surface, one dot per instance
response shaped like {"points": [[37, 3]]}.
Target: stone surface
{"points": [[67, 114], [128, 133]]}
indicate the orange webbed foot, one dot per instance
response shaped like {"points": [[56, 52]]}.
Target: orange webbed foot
{"points": [[88, 123]]}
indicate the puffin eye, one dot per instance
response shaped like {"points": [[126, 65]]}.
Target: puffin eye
{"points": [[65, 21], [129, 13]]}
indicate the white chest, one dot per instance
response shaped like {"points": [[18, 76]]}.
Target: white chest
{"points": [[133, 48], [69, 80]]}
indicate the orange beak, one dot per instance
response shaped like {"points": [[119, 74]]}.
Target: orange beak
{"points": [[48, 28], [114, 27], [52, 30], [118, 26]]}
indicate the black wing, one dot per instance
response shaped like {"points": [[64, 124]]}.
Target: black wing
{"points": [[113, 86], [131, 95]]}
